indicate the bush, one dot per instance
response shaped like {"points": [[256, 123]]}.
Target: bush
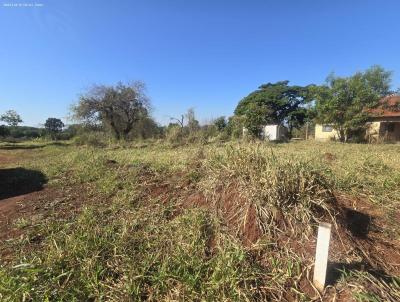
{"points": [[25, 132], [234, 127], [175, 135], [4, 131], [94, 139], [64, 135], [223, 137]]}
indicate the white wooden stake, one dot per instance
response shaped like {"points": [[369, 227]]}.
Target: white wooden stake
{"points": [[321, 255]]}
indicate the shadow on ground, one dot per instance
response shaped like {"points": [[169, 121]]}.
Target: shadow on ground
{"points": [[358, 223], [336, 270], [18, 181], [28, 147]]}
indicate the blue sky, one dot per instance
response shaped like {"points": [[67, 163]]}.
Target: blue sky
{"points": [[202, 54]]}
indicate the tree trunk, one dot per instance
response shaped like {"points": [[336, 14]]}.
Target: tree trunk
{"points": [[342, 135], [127, 130], [115, 130]]}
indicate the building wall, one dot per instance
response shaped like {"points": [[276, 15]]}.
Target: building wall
{"points": [[377, 131], [274, 132], [397, 132], [373, 132], [390, 136], [324, 136], [270, 132]]}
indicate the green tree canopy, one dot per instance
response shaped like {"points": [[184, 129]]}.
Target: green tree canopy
{"points": [[220, 123], [343, 101], [274, 103], [53, 125], [11, 117]]}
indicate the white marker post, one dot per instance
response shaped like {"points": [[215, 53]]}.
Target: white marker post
{"points": [[321, 255]]}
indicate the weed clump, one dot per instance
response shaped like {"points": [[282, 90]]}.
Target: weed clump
{"points": [[285, 194]]}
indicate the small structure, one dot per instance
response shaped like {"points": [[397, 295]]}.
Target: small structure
{"points": [[274, 132], [270, 132], [383, 124]]}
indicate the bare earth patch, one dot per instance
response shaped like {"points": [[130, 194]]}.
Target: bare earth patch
{"points": [[20, 214]]}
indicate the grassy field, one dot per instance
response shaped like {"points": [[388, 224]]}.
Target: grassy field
{"points": [[219, 222]]}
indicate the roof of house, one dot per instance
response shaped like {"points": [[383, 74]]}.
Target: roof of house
{"points": [[389, 106]]}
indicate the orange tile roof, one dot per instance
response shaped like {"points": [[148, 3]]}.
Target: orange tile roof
{"points": [[389, 106]]}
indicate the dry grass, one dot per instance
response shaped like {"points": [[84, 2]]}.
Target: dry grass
{"points": [[135, 243], [284, 193]]}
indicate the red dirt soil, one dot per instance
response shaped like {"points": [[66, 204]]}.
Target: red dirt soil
{"points": [[359, 241], [34, 208], [6, 159], [360, 234]]}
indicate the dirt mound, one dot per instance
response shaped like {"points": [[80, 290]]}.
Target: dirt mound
{"points": [[361, 241], [273, 208], [253, 210]]}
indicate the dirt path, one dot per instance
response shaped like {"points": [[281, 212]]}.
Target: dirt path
{"points": [[6, 159]]}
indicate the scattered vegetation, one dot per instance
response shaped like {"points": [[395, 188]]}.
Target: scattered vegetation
{"points": [[127, 210], [226, 222]]}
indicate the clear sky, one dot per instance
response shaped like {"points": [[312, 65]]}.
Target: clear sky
{"points": [[203, 54]]}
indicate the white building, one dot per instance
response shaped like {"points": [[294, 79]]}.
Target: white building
{"points": [[274, 132], [271, 132]]}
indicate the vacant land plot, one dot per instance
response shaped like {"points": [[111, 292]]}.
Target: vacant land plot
{"points": [[227, 222]]}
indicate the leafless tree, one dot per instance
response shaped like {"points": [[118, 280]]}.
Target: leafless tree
{"points": [[119, 107]]}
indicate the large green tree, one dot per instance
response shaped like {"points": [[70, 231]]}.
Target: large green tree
{"points": [[53, 126], [117, 107], [343, 101], [11, 117], [274, 103]]}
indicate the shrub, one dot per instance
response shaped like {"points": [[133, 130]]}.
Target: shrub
{"points": [[235, 126], [4, 131], [175, 135], [94, 139]]}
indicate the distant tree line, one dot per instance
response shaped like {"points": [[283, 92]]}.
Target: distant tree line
{"points": [[123, 112], [53, 128]]}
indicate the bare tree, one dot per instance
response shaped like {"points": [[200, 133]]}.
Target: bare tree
{"points": [[118, 107], [180, 121], [192, 123]]}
